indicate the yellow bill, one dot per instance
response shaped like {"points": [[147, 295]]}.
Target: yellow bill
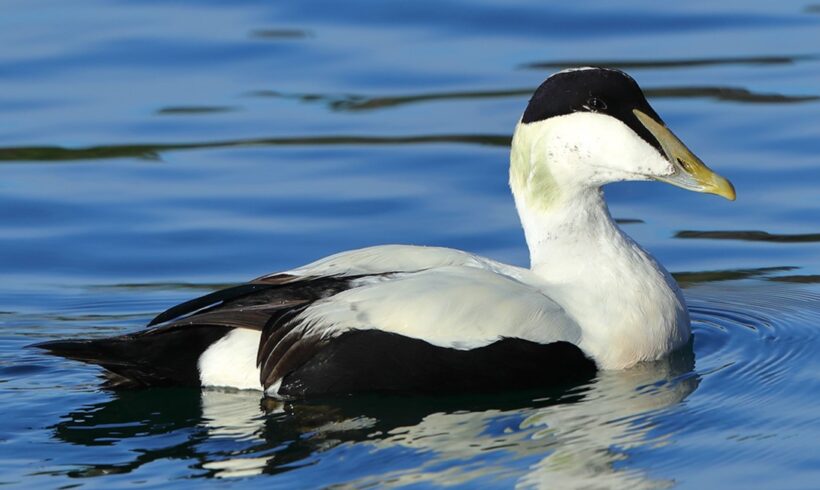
{"points": [[690, 172]]}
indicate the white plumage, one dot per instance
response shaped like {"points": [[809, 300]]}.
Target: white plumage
{"points": [[461, 307]]}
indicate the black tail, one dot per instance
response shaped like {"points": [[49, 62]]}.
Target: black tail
{"points": [[165, 356]]}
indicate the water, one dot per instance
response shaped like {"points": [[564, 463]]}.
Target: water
{"points": [[152, 151]]}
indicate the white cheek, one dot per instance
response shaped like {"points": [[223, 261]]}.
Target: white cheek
{"points": [[607, 148]]}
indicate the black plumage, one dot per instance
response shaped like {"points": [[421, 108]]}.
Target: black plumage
{"points": [[164, 356], [378, 361]]}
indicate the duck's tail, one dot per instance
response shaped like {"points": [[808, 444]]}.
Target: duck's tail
{"points": [[154, 357]]}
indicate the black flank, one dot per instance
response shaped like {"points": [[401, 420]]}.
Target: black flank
{"points": [[377, 361]]}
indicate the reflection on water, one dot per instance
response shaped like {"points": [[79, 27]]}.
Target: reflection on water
{"points": [[574, 438], [746, 338], [585, 437]]}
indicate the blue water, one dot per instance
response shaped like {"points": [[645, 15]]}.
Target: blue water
{"points": [[151, 151]]}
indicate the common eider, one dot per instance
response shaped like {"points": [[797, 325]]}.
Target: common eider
{"points": [[401, 318]]}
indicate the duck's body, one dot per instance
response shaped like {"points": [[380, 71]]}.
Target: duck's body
{"points": [[434, 319]]}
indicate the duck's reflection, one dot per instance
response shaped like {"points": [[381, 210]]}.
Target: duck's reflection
{"points": [[580, 438]]}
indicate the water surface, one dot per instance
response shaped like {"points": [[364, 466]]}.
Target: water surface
{"points": [[152, 151]]}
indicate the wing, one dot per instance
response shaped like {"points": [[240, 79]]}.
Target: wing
{"points": [[260, 301], [254, 304], [388, 259], [454, 307]]}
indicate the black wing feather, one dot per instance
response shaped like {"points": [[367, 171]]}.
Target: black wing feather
{"points": [[274, 331], [209, 300], [228, 305]]}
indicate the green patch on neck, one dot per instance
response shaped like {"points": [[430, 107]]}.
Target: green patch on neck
{"points": [[530, 178]]}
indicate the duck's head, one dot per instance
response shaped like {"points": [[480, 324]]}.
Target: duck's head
{"points": [[587, 127]]}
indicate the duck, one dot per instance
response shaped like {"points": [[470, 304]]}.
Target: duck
{"points": [[406, 318]]}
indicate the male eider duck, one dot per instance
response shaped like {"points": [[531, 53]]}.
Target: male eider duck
{"points": [[427, 319]]}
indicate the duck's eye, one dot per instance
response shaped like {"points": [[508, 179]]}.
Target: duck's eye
{"points": [[595, 105]]}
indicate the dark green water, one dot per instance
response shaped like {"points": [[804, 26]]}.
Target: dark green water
{"points": [[151, 151]]}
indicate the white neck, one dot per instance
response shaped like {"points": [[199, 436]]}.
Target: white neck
{"points": [[629, 307]]}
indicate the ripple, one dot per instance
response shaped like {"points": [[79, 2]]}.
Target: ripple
{"points": [[636, 64], [797, 278], [279, 34], [151, 151], [194, 110], [763, 332], [749, 236], [731, 94], [21, 370], [688, 279]]}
